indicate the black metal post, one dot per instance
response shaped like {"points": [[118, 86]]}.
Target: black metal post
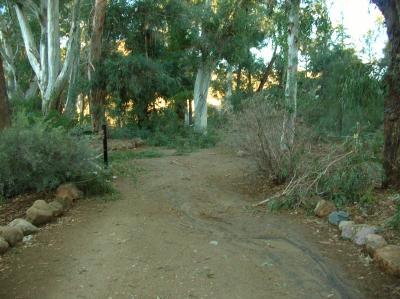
{"points": [[105, 147]]}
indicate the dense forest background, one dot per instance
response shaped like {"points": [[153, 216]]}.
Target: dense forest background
{"points": [[147, 67]]}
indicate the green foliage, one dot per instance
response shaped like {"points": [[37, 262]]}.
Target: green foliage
{"points": [[354, 178], [119, 156], [344, 92], [344, 173], [36, 157]]}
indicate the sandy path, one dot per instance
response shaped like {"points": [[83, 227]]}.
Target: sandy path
{"points": [[184, 229]]}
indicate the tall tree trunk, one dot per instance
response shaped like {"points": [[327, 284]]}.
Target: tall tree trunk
{"points": [[239, 79], [288, 131], [4, 108], [97, 95], [249, 83], [201, 87], [391, 155], [229, 76], [267, 71], [70, 105], [53, 41]]}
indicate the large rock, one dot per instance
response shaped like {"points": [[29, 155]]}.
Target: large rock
{"points": [[69, 191], [3, 245], [388, 258], [324, 208], [57, 208], [374, 242], [39, 213], [360, 238], [12, 235], [26, 227], [336, 217]]}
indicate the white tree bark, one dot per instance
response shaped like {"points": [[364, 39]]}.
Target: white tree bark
{"points": [[45, 60], [70, 105], [289, 123], [53, 41], [229, 81], [29, 41], [202, 84], [9, 65], [201, 87]]}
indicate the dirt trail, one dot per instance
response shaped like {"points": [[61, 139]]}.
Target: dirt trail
{"points": [[182, 230]]}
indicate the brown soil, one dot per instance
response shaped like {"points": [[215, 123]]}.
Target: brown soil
{"points": [[186, 229]]}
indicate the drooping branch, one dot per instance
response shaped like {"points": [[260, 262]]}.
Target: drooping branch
{"points": [[268, 70], [29, 41]]}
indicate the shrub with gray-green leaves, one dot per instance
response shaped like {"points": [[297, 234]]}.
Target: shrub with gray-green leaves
{"points": [[36, 158]]}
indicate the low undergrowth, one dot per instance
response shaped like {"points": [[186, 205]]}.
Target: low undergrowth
{"points": [[344, 171], [166, 129]]}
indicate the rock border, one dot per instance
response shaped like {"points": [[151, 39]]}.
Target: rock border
{"points": [[387, 257], [40, 213]]}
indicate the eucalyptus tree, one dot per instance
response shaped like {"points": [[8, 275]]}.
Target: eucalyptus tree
{"points": [[291, 81], [226, 30], [4, 109], [97, 93], [391, 157], [45, 56]]}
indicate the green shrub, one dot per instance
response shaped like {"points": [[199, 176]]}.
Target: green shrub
{"points": [[37, 157], [342, 172]]}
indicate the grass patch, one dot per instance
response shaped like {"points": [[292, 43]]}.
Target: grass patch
{"points": [[119, 156]]}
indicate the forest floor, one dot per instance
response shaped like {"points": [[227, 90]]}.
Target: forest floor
{"points": [[185, 228]]}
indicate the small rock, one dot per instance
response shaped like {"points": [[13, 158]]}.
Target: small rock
{"points": [[349, 230], [240, 153], [324, 208], [336, 217], [3, 245], [26, 227], [345, 223], [39, 213], [27, 239], [388, 258], [374, 242], [360, 238], [12, 235], [69, 191], [57, 208]]}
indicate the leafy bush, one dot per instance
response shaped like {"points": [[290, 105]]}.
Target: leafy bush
{"points": [[36, 157]]}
